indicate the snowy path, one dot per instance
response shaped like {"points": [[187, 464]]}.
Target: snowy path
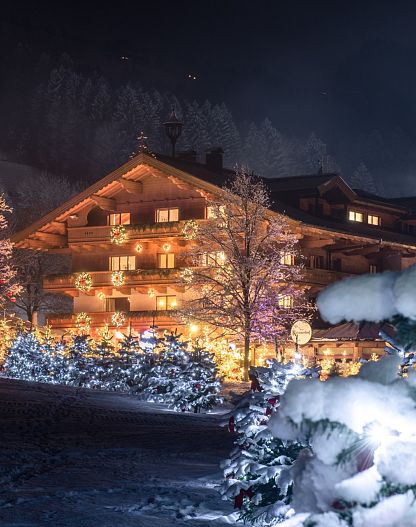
{"points": [[84, 459]]}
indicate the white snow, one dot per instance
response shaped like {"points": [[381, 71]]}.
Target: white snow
{"points": [[362, 487], [395, 511], [396, 461], [371, 297], [83, 458], [367, 297]]}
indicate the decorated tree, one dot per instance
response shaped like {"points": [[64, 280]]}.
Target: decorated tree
{"points": [[258, 474], [78, 353], [244, 276], [199, 386], [359, 468], [101, 366], [171, 363], [9, 289], [25, 359]]}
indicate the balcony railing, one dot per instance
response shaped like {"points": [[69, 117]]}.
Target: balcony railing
{"points": [[323, 277], [99, 319], [102, 233], [103, 278]]}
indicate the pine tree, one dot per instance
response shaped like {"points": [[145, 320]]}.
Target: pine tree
{"points": [[169, 369], [258, 473], [78, 354], [198, 388], [24, 359]]}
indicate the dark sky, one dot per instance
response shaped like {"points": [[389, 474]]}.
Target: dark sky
{"points": [[337, 67]]}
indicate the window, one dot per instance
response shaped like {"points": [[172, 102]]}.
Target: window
{"points": [[164, 215], [372, 269], [212, 213], [287, 259], [213, 259], [122, 263], [373, 220], [285, 301], [166, 260], [166, 303], [119, 218], [317, 261], [117, 304], [353, 215]]}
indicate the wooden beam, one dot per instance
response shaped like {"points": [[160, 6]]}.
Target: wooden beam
{"points": [[310, 243], [55, 239], [58, 226], [134, 187], [108, 204]]}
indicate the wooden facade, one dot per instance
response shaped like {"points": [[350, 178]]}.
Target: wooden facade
{"points": [[341, 232]]}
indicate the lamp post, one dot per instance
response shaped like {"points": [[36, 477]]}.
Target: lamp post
{"points": [[173, 128]]}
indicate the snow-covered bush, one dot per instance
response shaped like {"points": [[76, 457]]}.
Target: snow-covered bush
{"points": [[257, 476], [360, 469]]}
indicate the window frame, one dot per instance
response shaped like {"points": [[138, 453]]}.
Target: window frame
{"points": [[118, 218], [168, 299], [130, 257], [378, 218], [166, 256], [169, 211], [353, 214]]}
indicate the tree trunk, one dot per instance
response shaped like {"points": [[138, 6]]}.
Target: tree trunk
{"points": [[246, 356]]}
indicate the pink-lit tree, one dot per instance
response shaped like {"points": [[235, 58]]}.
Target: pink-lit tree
{"points": [[9, 289], [244, 277]]}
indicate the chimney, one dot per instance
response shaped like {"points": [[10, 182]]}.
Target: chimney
{"points": [[187, 155], [213, 159]]}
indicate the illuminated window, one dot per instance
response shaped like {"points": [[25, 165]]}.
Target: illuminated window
{"points": [[164, 215], [211, 212], [353, 215], [372, 269], [166, 260], [166, 303], [374, 220], [285, 301], [119, 218], [213, 259], [122, 263], [287, 259]]}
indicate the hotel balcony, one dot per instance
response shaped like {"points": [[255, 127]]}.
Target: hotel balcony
{"points": [[102, 280], [139, 320], [101, 234], [322, 277]]}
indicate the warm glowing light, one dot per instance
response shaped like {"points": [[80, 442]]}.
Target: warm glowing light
{"points": [[118, 319], [139, 248], [117, 278], [83, 282], [101, 295], [119, 335], [151, 292], [166, 247], [193, 328]]}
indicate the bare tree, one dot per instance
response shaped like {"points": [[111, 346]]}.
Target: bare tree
{"points": [[9, 287], [31, 267], [244, 277]]}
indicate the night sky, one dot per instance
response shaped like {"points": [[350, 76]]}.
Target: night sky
{"points": [[339, 68]]}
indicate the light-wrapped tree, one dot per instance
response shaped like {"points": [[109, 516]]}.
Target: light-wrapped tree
{"points": [[199, 385], [9, 289], [258, 473], [25, 359], [244, 277], [171, 363]]}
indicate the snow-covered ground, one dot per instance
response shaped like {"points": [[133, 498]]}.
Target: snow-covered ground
{"points": [[82, 458]]}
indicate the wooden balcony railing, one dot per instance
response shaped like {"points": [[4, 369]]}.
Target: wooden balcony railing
{"points": [[323, 277], [99, 319], [102, 233], [103, 278]]}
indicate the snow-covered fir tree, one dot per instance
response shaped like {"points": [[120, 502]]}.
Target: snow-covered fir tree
{"points": [[78, 353], [359, 469], [25, 359], [199, 385], [258, 475], [171, 363]]}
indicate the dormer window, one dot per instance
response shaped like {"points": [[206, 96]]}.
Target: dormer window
{"points": [[119, 218], [354, 215], [373, 220]]}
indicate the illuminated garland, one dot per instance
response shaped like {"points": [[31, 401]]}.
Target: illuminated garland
{"points": [[117, 278], [190, 230], [83, 321], [83, 282], [118, 234], [118, 319]]}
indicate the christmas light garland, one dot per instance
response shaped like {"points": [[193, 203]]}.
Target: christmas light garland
{"points": [[190, 230], [118, 319], [118, 234], [83, 321], [83, 282], [117, 278]]}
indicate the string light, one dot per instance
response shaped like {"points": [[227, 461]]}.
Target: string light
{"points": [[118, 234], [83, 282], [117, 278], [139, 248], [166, 247]]}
